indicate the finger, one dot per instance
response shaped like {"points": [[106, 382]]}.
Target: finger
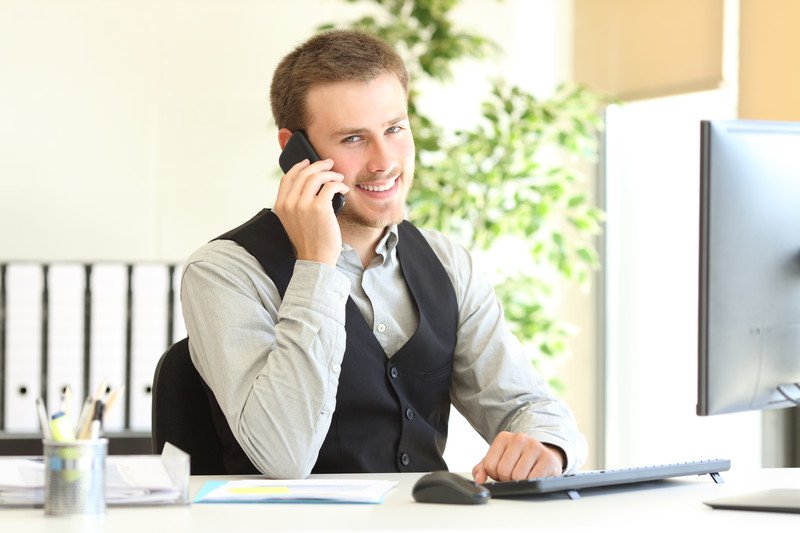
{"points": [[299, 176], [331, 188], [525, 464], [547, 464], [315, 184], [479, 474], [494, 454], [509, 460], [287, 181], [309, 181]]}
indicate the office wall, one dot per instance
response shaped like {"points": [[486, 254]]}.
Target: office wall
{"points": [[637, 49], [137, 131], [769, 65], [652, 286]]}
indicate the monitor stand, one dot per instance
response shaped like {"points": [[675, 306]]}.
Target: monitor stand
{"points": [[773, 500]]}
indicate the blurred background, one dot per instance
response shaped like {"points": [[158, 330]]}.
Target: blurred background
{"points": [[134, 132]]}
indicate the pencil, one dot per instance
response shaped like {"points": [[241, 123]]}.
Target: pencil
{"points": [[44, 420], [110, 400], [85, 416]]}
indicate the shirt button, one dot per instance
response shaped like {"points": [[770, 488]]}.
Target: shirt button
{"points": [[394, 372], [405, 459], [381, 327], [409, 414], [335, 368]]}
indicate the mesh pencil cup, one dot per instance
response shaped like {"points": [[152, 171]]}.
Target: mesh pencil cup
{"points": [[75, 473]]}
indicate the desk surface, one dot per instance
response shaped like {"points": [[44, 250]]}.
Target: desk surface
{"points": [[675, 502]]}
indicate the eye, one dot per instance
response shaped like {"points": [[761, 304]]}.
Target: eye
{"points": [[394, 129], [351, 139]]}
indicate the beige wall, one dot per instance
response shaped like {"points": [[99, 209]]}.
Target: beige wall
{"points": [[646, 48], [769, 60]]}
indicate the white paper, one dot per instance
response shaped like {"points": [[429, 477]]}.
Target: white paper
{"points": [[130, 480], [299, 490]]}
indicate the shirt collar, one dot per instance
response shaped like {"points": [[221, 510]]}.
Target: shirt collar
{"points": [[389, 241], [385, 247]]}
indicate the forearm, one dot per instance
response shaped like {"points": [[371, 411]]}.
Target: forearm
{"points": [[514, 398], [273, 364], [494, 383], [287, 414]]}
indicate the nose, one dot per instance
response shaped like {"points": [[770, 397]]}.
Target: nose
{"points": [[381, 159]]}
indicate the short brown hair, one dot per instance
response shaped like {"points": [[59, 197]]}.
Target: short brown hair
{"points": [[331, 56]]}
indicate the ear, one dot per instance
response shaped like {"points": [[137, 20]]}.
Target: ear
{"points": [[283, 137]]}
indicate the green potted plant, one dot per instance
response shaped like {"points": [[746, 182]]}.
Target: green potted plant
{"points": [[509, 187]]}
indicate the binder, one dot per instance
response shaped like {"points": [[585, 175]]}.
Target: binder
{"points": [[149, 313], [24, 287], [107, 341], [178, 325], [66, 287]]}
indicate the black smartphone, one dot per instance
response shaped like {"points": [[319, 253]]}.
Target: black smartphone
{"points": [[298, 148]]}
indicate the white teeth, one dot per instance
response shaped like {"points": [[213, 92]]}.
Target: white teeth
{"points": [[373, 188]]}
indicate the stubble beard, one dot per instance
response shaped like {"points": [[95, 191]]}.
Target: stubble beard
{"points": [[353, 218]]}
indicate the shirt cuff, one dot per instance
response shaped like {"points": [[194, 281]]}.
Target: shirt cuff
{"points": [[320, 288]]}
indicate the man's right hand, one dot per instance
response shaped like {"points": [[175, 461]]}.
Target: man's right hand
{"points": [[306, 213]]}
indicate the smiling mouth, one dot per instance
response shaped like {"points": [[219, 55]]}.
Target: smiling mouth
{"points": [[378, 188]]}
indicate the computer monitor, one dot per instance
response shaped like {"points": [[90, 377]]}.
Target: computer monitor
{"points": [[749, 306]]}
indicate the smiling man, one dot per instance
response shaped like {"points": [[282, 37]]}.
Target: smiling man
{"points": [[338, 343]]}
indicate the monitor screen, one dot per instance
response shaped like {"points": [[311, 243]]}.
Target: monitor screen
{"points": [[749, 306]]}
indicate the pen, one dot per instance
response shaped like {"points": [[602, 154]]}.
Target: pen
{"points": [[66, 401], [85, 424], [41, 413], [97, 421]]}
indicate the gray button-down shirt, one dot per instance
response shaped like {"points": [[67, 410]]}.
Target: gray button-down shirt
{"points": [[274, 364]]}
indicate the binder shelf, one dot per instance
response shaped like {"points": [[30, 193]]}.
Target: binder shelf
{"points": [[83, 326]]}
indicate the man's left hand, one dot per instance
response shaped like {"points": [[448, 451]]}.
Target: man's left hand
{"points": [[516, 456]]}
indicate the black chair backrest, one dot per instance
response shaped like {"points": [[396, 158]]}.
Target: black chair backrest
{"points": [[181, 412]]}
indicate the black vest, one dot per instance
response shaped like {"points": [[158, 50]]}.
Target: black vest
{"points": [[391, 414]]}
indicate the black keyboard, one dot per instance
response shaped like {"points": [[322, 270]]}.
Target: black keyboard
{"points": [[571, 483]]}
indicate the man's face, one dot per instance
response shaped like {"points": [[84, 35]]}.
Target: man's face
{"points": [[364, 128]]}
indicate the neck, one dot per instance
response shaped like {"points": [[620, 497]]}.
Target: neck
{"points": [[363, 240]]}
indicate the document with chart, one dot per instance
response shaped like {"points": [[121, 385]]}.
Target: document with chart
{"points": [[295, 491]]}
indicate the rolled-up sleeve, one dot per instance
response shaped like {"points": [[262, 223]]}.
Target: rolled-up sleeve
{"points": [[273, 363], [495, 385]]}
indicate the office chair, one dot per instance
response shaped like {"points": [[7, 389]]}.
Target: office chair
{"points": [[181, 414]]}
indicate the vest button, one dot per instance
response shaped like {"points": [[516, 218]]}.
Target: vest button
{"points": [[405, 459], [394, 372], [409, 414]]}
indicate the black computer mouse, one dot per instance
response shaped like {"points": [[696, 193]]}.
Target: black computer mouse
{"points": [[447, 487]]}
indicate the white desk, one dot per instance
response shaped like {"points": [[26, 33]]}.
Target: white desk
{"points": [[660, 506]]}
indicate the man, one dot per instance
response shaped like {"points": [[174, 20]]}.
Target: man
{"points": [[337, 344]]}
